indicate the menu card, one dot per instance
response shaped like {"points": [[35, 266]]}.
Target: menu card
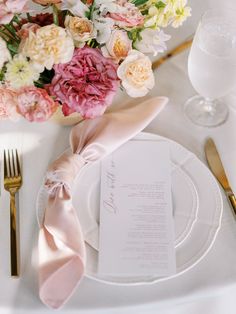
{"points": [[136, 219]]}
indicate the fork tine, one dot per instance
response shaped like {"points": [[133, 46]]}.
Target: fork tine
{"points": [[5, 165], [9, 164], [13, 164], [18, 164]]}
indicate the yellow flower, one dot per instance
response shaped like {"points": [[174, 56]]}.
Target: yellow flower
{"points": [[48, 46], [80, 29], [20, 72], [173, 12], [136, 74], [160, 17], [182, 12], [164, 19]]}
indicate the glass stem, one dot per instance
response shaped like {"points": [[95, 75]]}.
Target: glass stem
{"points": [[208, 104]]}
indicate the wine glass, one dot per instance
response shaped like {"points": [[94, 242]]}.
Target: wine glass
{"points": [[212, 67]]}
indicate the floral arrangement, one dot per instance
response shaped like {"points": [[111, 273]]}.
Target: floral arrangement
{"points": [[75, 54]]}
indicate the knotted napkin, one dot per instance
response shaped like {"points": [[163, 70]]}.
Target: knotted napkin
{"points": [[61, 248]]}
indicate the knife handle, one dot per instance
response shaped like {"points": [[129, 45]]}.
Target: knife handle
{"points": [[232, 200]]}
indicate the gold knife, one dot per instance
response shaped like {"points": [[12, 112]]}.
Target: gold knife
{"points": [[216, 166]]}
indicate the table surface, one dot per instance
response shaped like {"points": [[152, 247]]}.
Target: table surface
{"points": [[208, 287]]}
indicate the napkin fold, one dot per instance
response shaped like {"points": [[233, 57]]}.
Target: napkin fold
{"points": [[61, 247]]}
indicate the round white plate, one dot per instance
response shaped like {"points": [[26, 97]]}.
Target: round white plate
{"points": [[197, 211]]}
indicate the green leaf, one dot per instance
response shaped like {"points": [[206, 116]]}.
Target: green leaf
{"points": [[135, 35], [46, 76], [29, 17], [145, 12], [38, 84], [93, 43], [160, 5], [130, 35], [13, 49], [16, 19], [55, 14], [139, 37], [139, 2], [89, 14], [2, 73]]}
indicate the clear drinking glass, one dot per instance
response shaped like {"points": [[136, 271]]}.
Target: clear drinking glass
{"points": [[212, 67]]}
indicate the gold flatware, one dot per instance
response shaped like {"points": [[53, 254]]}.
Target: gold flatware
{"points": [[12, 184], [216, 166], [178, 49]]}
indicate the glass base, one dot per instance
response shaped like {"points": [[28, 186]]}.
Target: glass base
{"points": [[205, 112]]}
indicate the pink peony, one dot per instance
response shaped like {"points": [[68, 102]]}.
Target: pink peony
{"points": [[35, 104], [130, 17], [86, 84], [10, 7], [8, 104]]}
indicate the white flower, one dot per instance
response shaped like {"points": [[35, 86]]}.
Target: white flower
{"points": [[20, 72], [181, 13], [136, 74], [76, 7], [110, 6], [4, 53], [153, 41], [81, 29], [48, 46], [103, 26]]}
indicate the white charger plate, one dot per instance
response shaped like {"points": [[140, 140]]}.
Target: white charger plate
{"points": [[197, 210]]}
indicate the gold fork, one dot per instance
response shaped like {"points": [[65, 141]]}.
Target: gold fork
{"points": [[12, 184]]}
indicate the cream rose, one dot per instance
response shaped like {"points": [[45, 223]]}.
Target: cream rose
{"points": [[136, 74], [48, 46], [4, 53], [80, 29], [118, 46]]}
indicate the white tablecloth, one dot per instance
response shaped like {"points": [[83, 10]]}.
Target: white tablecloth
{"points": [[209, 287]]}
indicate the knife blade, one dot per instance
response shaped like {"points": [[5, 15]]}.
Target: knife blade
{"points": [[217, 168]]}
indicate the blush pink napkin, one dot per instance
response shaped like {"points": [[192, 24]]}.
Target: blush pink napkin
{"points": [[61, 248]]}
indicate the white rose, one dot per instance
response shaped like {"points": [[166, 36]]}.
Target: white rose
{"points": [[136, 74], [4, 53], [48, 46], [80, 29], [153, 41], [118, 46]]}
